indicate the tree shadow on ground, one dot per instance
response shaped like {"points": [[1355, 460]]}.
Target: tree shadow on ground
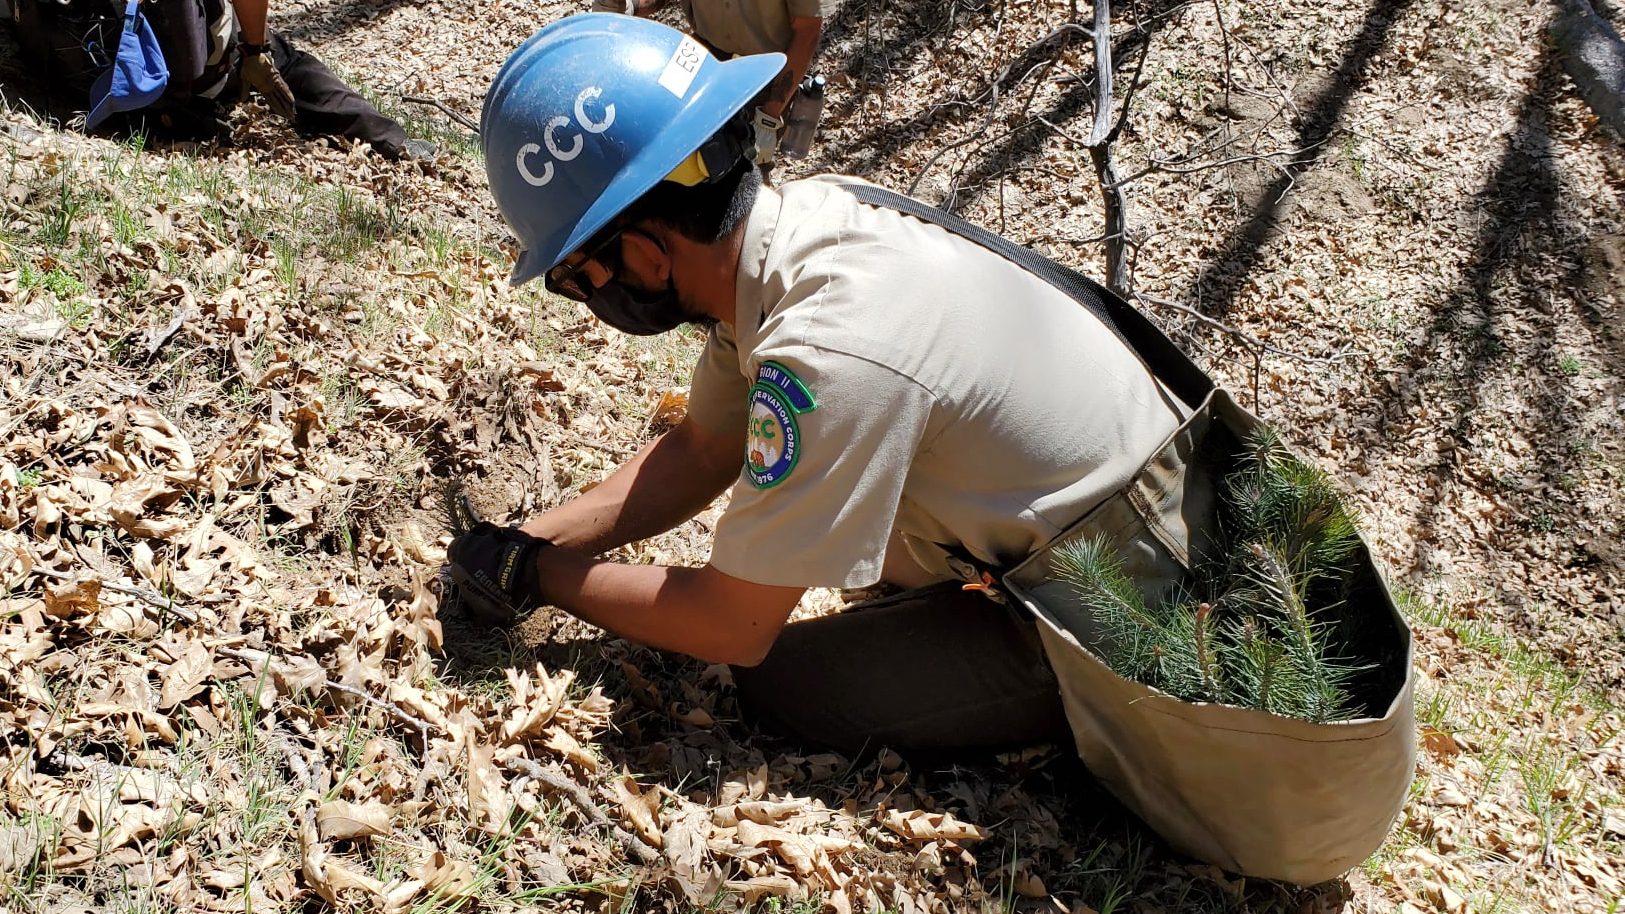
{"points": [[1227, 272], [1529, 275], [23, 88], [853, 49]]}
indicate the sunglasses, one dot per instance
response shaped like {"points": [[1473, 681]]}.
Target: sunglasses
{"points": [[567, 279]]}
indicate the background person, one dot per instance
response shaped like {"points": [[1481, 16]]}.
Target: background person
{"points": [[216, 51], [732, 28]]}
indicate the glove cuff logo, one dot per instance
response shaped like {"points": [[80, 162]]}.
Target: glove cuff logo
{"points": [[510, 564]]}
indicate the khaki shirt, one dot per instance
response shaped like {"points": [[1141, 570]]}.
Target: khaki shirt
{"points": [[750, 26], [890, 375]]}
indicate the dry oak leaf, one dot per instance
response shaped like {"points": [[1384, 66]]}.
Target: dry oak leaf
{"points": [[930, 826], [144, 720], [669, 409], [536, 698], [808, 854], [446, 878], [754, 890], [1029, 885], [1439, 744], [641, 809], [801, 854], [326, 875], [130, 503], [489, 802], [72, 599], [186, 676], [762, 812], [694, 717], [686, 850], [16, 560], [560, 741], [390, 396], [145, 425], [340, 819]]}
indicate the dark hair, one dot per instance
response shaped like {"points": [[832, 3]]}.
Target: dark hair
{"points": [[704, 213]]}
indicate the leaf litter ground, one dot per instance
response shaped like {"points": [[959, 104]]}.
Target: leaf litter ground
{"points": [[237, 378]]}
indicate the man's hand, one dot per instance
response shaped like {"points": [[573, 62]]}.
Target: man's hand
{"points": [[259, 73], [494, 569]]}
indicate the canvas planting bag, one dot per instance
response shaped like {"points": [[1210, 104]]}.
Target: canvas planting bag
{"points": [[1250, 791], [1253, 792]]}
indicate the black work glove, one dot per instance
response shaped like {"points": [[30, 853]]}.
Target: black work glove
{"points": [[494, 569]]}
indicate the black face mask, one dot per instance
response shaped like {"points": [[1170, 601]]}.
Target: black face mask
{"points": [[621, 308]]}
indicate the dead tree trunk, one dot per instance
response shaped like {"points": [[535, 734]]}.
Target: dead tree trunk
{"points": [[1101, 136]]}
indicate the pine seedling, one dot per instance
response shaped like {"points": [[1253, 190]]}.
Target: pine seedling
{"points": [[1317, 687], [1276, 498], [1256, 667], [1179, 645], [1128, 628], [1284, 546]]}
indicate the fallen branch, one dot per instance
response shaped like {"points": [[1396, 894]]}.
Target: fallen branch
{"points": [[583, 802], [437, 103]]}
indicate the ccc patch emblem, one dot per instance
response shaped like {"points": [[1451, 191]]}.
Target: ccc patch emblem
{"points": [[773, 440]]}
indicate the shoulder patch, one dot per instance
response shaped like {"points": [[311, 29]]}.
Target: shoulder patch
{"points": [[773, 439]]}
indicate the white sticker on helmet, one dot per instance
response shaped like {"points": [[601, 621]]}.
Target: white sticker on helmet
{"points": [[684, 63]]}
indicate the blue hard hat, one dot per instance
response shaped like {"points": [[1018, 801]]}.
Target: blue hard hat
{"points": [[593, 111], [138, 74]]}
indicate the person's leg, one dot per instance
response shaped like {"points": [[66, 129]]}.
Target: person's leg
{"points": [[933, 670], [324, 104]]}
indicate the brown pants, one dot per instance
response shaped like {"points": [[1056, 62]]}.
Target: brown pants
{"points": [[928, 671]]}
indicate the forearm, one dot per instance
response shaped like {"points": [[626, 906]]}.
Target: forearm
{"points": [[251, 16], [798, 59], [672, 479], [696, 611]]}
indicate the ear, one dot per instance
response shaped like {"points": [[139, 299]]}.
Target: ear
{"points": [[644, 253]]}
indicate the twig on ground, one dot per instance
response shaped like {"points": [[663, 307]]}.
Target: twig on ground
{"points": [[448, 112], [605, 446], [155, 599], [157, 338], [251, 657], [583, 802], [1246, 338]]}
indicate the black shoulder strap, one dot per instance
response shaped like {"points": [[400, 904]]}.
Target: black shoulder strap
{"points": [[1166, 360]]}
